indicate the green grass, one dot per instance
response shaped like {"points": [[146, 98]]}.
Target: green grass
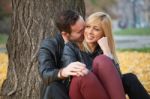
{"points": [[3, 38], [147, 50], [133, 31]]}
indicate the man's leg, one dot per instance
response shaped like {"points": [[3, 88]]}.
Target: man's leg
{"points": [[133, 87], [56, 90]]}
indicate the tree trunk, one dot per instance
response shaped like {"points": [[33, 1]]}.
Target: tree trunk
{"points": [[32, 21]]}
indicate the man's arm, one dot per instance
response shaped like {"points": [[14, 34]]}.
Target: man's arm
{"points": [[71, 64], [47, 68]]}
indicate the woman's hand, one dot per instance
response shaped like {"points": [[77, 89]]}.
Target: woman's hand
{"points": [[73, 69], [103, 43]]}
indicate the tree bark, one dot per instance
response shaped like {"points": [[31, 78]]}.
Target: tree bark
{"points": [[32, 21]]}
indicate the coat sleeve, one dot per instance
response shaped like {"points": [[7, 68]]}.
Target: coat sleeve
{"points": [[47, 66], [69, 55]]}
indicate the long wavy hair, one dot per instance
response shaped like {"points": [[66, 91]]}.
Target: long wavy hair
{"points": [[104, 21]]}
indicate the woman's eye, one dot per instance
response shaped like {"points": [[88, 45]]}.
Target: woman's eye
{"points": [[97, 29], [87, 26]]}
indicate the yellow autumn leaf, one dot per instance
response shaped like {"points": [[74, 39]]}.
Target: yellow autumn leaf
{"points": [[137, 63], [3, 67]]}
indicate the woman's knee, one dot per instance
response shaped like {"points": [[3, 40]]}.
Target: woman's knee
{"points": [[101, 62], [76, 79], [90, 79], [84, 79]]}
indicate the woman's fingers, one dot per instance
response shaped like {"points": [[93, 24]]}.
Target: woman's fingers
{"points": [[74, 69]]}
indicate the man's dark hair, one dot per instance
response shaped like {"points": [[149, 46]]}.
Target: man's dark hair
{"points": [[65, 19]]}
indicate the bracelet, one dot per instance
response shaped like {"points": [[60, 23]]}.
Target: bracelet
{"points": [[60, 72]]}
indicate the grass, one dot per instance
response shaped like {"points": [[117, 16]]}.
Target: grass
{"points": [[3, 67], [133, 31], [3, 38], [137, 63], [146, 50]]}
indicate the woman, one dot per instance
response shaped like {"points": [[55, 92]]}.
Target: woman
{"points": [[98, 53]]}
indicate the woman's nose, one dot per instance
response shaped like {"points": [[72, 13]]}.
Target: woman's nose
{"points": [[90, 31]]}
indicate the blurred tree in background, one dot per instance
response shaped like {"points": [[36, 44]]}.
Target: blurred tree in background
{"points": [[100, 5], [5, 16], [32, 21]]}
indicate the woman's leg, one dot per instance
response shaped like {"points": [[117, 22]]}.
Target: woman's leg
{"points": [[104, 69], [87, 87], [133, 87]]}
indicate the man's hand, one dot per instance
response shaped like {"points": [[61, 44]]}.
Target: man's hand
{"points": [[74, 69], [103, 43]]}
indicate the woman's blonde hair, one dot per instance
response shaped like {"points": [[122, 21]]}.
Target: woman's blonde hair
{"points": [[104, 21]]}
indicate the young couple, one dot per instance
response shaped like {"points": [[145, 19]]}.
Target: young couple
{"points": [[82, 58]]}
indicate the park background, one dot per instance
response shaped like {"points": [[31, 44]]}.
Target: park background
{"points": [[131, 28]]}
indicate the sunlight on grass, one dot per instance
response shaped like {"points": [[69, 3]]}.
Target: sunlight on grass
{"points": [[3, 67], [137, 63]]}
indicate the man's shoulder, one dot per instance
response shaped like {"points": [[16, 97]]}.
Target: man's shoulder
{"points": [[49, 42], [53, 41], [71, 45]]}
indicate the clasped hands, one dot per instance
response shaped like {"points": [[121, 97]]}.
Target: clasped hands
{"points": [[74, 69]]}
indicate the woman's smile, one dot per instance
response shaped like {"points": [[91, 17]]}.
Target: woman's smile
{"points": [[90, 37]]}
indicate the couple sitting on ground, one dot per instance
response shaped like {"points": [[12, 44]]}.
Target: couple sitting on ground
{"points": [[80, 62]]}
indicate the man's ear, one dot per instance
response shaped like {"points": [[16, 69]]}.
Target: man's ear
{"points": [[65, 34]]}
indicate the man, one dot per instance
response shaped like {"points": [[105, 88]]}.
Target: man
{"points": [[71, 26]]}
